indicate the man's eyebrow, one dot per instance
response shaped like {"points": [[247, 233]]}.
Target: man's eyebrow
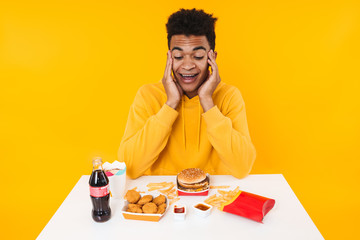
{"points": [[177, 48], [194, 49], [200, 47]]}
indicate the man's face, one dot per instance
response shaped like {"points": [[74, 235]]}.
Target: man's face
{"points": [[190, 66]]}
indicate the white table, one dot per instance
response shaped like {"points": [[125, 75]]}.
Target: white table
{"points": [[287, 220]]}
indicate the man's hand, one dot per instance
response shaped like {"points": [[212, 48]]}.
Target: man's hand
{"points": [[208, 87], [173, 90]]}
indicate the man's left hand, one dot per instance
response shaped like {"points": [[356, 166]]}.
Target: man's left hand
{"points": [[208, 87]]}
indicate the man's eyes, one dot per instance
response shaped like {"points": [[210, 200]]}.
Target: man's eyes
{"points": [[197, 58]]}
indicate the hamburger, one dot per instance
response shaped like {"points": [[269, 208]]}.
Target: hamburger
{"points": [[192, 180]]}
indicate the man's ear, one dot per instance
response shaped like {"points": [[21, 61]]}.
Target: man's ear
{"points": [[215, 54]]}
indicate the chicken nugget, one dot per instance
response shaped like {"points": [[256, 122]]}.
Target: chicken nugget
{"points": [[132, 196], [145, 199], [161, 208], [150, 208], [135, 208], [159, 200]]}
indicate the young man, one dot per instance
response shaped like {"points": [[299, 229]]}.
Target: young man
{"points": [[190, 118]]}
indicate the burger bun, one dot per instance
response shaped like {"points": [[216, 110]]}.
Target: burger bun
{"points": [[192, 180]]}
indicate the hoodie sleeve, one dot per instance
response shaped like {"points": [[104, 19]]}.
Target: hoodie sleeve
{"points": [[145, 135], [229, 135]]}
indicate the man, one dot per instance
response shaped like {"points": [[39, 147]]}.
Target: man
{"points": [[190, 118]]}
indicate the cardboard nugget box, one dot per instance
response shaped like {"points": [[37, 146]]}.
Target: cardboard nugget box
{"points": [[144, 216]]}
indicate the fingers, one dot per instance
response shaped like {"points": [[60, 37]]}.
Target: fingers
{"points": [[181, 91], [167, 74], [212, 62]]}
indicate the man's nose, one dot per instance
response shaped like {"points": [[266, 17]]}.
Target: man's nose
{"points": [[188, 64]]}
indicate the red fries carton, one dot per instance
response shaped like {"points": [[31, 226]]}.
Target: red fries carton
{"points": [[249, 205]]}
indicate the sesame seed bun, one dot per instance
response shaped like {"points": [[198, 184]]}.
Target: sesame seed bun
{"points": [[191, 175]]}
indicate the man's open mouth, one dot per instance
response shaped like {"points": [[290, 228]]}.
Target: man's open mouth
{"points": [[187, 78]]}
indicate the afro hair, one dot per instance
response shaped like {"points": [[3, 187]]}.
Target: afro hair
{"points": [[192, 22]]}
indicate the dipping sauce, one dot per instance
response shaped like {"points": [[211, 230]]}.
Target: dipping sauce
{"points": [[179, 209], [202, 207]]}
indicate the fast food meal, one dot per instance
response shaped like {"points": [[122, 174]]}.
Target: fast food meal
{"points": [[174, 200], [202, 209], [132, 196], [135, 208], [149, 207], [242, 203], [166, 188], [161, 185], [179, 212], [219, 187], [145, 199], [146, 203], [161, 208], [224, 196], [159, 200], [193, 180]]}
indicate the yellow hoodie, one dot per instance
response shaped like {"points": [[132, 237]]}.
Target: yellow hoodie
{"points": [[159, 140]]}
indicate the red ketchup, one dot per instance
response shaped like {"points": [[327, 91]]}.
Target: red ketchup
{"points": [[179, 209]]}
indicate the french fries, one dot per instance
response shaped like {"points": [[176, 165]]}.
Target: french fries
{"points": [[157, 186], [174, 200], [218, 187], [168, 191], [166, 188], [224, 197]]}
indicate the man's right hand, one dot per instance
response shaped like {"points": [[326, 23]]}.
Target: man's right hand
{"points": [[173, 90]]}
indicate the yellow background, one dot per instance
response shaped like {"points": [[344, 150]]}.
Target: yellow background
{"points": [[69, 71]]}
